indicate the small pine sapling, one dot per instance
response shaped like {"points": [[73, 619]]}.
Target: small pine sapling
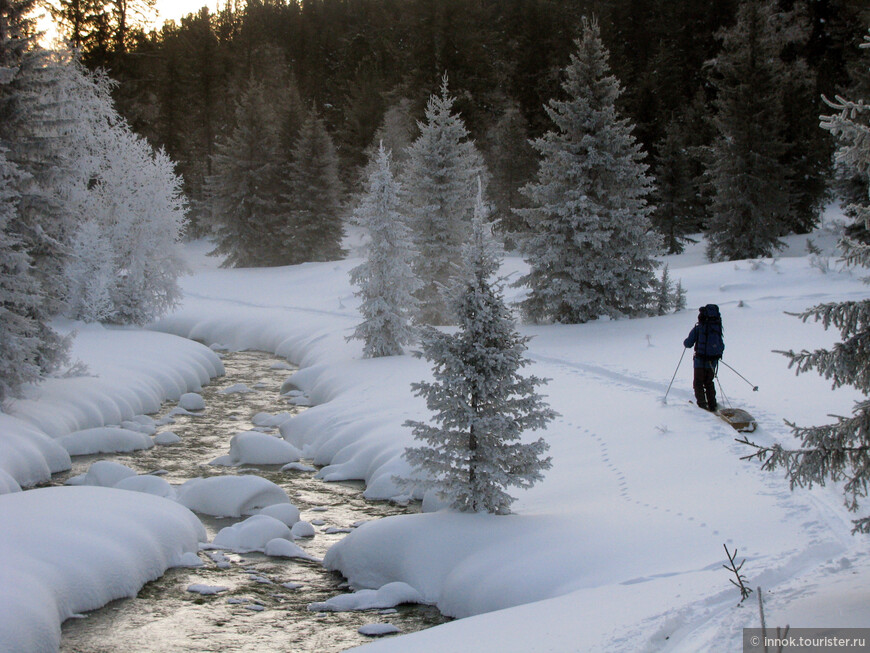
{"points": [[481, 404]]}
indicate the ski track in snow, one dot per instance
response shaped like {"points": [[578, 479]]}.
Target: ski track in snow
{"points": [[824, 524], [350, 315]]}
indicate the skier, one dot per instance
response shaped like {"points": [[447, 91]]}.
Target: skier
{"points": [[707, 338]]}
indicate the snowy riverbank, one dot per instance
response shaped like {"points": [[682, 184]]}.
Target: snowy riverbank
{"points": [[620, 547]]}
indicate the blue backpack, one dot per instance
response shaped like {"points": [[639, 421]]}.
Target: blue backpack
{"points": [[710, 344]]}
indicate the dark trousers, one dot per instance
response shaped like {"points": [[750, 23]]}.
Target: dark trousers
{"points": [[705, 390]]}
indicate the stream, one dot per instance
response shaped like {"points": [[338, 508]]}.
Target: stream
{"points": [[266, 604]]}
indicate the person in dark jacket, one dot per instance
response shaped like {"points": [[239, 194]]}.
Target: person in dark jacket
{"points": [[707, 339]]}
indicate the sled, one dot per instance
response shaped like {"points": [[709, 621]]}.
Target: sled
{"points": [[738, 419]]}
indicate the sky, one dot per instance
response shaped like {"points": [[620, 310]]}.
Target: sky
{"points": [[175, 9], [166, 10]]}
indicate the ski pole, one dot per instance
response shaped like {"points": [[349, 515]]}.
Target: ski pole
{"points": [[754, 387], [665, 399]]}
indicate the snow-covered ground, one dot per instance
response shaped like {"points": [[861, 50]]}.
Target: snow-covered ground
{"points": [[620, 548]]}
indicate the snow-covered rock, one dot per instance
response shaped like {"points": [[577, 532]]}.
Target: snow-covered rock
{"points": [[269, 420], [282, 548], [103, 473], [166, 438], [230, 496], [302, 529], [148, 484], [378, 630], [388, 596], [105, 439], [252, 534], [283, 512], [206, 590], [256, 448], [191, 401]]}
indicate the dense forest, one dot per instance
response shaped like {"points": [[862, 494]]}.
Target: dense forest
{"points": [[367, 68]]}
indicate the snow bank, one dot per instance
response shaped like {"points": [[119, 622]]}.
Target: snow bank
{"points": [[67, 550], [129, 373], [230, 496], [104, 439]]}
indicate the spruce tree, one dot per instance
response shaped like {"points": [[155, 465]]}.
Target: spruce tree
{"points": [[591, 245], [314, 228], [838, 452], [386, 281], [676, 191], [481, 404], [512, 162], [19, 295], [439, 186], [244, 187], [40, 184], [752, 191]]}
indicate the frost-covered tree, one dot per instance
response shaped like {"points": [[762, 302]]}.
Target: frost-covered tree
{"points": [[385, 280], [481, 404], [751, 188], [137, 197], [244, 187], [439, 186], [91, 274], [39, 179], [20, 341], [123, 261], [838, 452], [314, 228], [668, 297], [591, 243]]}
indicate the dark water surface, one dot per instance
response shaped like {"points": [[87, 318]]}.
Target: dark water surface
{"points": [[257, 612]]}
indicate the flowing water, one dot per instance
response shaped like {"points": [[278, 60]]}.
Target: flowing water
{"points": [[265, 607]]}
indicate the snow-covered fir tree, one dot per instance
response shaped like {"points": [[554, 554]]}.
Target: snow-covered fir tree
{"points": [[590, 245], [244, 187], [750, 182], [669, 297], [481, 404], [314, 228], [39, 179], [838, 452], [439, 186], [20, 295], [385, 280]]}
